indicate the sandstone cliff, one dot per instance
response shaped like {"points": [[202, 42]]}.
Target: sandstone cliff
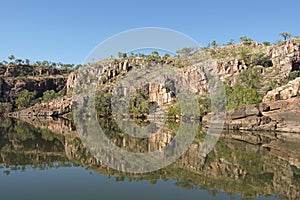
{"points": [[284, 58], [14, 79]]}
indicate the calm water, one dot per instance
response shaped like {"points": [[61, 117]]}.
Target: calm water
{"points": [[40, 164]]}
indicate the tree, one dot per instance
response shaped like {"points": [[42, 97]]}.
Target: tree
{"points": [[155, 53], [285, 35], [166, 55], [48, 95], [27, 61], [122, 55], [185, 51], [53, 64], [251, 78], [141, 55], [214, 44], [38, 63], [245, 39], [19, 61], [246, 91], [45, 63], [11, 57], [266, 43], [25, 99], [231, 42]]}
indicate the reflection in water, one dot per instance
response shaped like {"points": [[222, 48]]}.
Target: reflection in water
{"points": [[242, 164]]}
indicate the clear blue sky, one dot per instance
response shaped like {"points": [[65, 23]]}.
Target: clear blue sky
{"points": [[67, 30]]}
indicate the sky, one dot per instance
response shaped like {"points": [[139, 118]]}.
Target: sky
{"points": [[68, 30]]}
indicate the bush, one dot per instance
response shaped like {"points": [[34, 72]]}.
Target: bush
{"points": [[50, 95], [204, 104], [139, 104], [266, 43], [25, 99], [246, 91], [239, 95], [294, 74], [103, 103], [174, 110], [258, 59], [5, 107]]}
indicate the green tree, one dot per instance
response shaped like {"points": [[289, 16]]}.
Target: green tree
{"points": [[53, 64], [27, 61], [11, 58], [231, 42], [139, 103], [294, 74], [5, 107], [122, 55], [285, 35], [155, 53], [38, 63], [103, 103], [245, 40], [204, 104], [50, 95], [266, 43], [141, 55], [167, 55], [246, 90], [174, 110], [19, 61], [214, 44], [45, 63], [25, 98], [258, 59], [251, 78]]}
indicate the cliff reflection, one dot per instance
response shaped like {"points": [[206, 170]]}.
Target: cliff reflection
{"points": [[245, 163]]}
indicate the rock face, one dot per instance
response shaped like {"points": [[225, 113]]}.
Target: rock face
{"points": [[280, 116], [57, 107], [285, 58], [14, 79], [13, 70], [11, 88], [292, 89]]}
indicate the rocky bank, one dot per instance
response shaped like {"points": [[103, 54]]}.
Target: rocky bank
{"points": [[278, 112]]}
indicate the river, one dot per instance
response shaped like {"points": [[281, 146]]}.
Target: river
{"points": [[45, 159]]}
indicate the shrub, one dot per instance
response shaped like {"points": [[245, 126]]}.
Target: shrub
{"points": [[204, 104], [294, 74], [103, 103], [266, 43], [51, 94], [25, 99], [5, 107], [139, 104], [258, 59], [174, 110], [246, 91]]}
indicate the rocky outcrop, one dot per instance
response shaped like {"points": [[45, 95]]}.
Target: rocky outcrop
{"points": [[55, 108], [11, 88], [279, 116], [285, 56], [12, 70], [14, 79], [290, 90]]}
